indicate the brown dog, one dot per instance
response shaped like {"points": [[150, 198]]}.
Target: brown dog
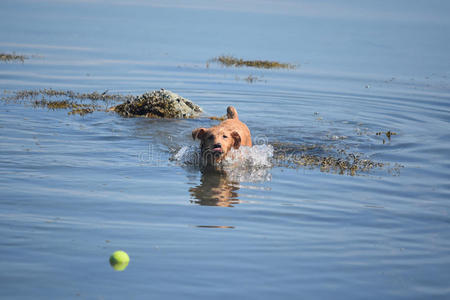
{"points": [[218, 140]]}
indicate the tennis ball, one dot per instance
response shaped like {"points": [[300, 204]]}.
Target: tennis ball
{"points": [[119, 260]]}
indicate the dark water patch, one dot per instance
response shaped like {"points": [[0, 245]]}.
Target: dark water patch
{"points": [[251, 79], [215, 226], [230, 61]]}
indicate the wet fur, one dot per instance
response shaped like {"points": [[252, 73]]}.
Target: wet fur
{"points": [[231, 133]]}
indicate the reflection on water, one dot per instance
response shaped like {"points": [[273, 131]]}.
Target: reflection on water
{"points": [[215, 226], [215, 189], [220, 186]]}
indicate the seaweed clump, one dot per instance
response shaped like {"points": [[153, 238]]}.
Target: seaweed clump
{"points": [[388, 134], [76, 108], [291, 155], [94, 96], [158, 104], [222, 118], [230, 61], [67, 99], [12, 57]]}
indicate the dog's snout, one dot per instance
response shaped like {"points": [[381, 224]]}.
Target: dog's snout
{"points": [[218, 145]]}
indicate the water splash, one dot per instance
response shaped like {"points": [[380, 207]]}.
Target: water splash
{"points": [[258, 156], [246, 164], [187, 156]]}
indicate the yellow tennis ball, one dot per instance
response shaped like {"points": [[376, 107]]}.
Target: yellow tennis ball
{"points": [[119, 260]]}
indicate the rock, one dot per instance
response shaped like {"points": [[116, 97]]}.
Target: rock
{"points": [[159, 104]]}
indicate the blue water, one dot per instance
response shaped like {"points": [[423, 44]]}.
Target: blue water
{"points": [[74, 189]]}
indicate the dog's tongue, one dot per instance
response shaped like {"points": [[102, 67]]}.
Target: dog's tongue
{"points": [[218, 149]]}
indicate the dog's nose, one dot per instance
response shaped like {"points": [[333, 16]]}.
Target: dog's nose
{"points": [[218, 145]]}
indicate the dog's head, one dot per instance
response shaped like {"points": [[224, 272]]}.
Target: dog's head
{"points": [[216, 142]]}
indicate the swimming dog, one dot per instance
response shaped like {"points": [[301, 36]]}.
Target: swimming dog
{"points": [[217, 141]]}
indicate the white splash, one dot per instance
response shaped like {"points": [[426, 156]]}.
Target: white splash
{"points": [[250, 157], [188, 155], [256, 156], [246, 164]]}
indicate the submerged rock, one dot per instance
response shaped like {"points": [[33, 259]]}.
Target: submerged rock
{"points": [[159, 104]]}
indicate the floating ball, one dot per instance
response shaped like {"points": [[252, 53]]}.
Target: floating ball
{"points": [[119, 260]]}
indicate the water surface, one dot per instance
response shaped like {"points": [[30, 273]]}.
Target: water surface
{"points": [[74, 189]]}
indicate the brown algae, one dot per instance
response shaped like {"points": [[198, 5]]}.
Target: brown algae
{"points": [[76, 108], [322, 157], [230, 61], [81, 111], [66, 99], [6, 57], [94, 96], [222, 118], [388, 134]]}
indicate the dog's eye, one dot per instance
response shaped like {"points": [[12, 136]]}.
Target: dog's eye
{"points": [[210, 137], [225, 137]]}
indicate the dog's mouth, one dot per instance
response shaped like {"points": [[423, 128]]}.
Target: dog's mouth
{"points": [[217, 149]]}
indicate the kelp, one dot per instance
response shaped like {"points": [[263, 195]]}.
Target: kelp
{"points": [[231, 61], [76, 108], [326, 158], [6, 57], [94, 96]]}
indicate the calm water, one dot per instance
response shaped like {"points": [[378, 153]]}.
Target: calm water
{"points": [[73, 189]]}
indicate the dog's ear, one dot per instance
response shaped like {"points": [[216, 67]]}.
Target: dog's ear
{"points": [[198, 133], [237, 139]]}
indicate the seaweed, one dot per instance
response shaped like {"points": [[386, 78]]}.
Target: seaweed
{"points": [[222, 118], [94, 96], [77, 108], [230, 61], [388, 134], [81, 111], [322, 157], [12, 57], [65, 99]]}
